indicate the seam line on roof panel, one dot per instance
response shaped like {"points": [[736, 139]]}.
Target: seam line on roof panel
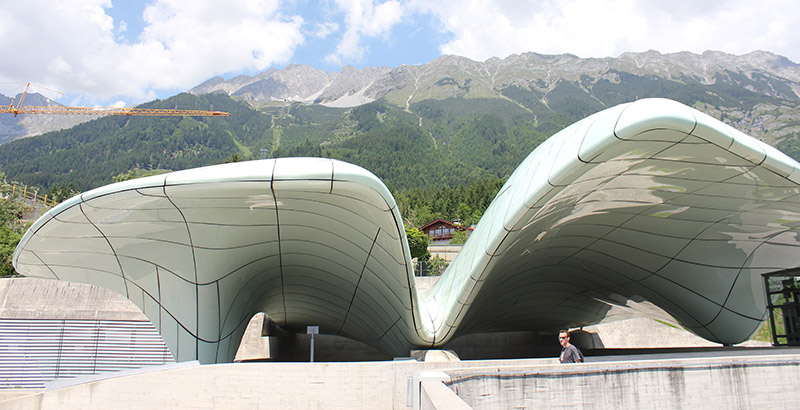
{"points": [[410, 280], [738, 274], [180, 325], [390, 328], [361, 276], [280, 252], [219, 320], [196, 286], [45, 264], [243, 321], [114, 251], [160, 306], [656, 272], [219, 279]]}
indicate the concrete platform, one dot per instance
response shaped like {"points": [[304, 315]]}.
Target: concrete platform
{"points": [[659, 365], [749, 378]]}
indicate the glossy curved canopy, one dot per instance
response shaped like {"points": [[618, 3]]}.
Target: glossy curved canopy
{"points": [[647, 201]]}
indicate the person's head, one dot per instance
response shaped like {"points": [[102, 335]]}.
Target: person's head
{"points": [[563, 338]]}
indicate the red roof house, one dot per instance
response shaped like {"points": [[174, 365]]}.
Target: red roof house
{"points": [[442, 231]]}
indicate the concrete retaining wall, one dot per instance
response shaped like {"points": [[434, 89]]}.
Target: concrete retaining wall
{"points": [[446, 252], [717, 383], [34, 298], [363, 385], [436, 396], [757, 381]]}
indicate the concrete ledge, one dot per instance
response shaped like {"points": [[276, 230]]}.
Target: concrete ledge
{"points": [[744, 381], [436, 396], [708, 382], [35, 298], [64, 383], [10, 394]]}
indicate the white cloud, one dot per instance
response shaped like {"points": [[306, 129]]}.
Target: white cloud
{"points": [[122, 27], [78, 48], [588, 28], [73, 46], [364, 18], [323, 30]]}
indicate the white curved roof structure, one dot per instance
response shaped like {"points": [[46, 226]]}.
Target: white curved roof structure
{"points": [[647, 201]]}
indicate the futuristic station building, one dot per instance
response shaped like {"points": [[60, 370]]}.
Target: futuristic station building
{"points": [[650, 201]]}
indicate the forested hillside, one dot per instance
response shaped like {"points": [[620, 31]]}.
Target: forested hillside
{"points": [[90, 154], [451, 151], [444, 151]]}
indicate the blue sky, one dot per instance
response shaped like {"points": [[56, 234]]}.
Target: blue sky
{"points": [[113, 52], [391, 50]]}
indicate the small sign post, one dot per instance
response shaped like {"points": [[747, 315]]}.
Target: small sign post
{"points": [[312, 330]]}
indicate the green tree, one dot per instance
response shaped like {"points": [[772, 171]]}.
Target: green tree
{"points": [[124, 176], [234, 158], [463, 211], [8, 242], [459, 237], [418, 243], [135, 173], [433, 267], [61, 192], [11, 225]]}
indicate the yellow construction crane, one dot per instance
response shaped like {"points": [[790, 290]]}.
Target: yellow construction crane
{"points": [[64, 110]]}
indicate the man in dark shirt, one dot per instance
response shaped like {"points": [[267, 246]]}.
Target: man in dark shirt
{"points": [[569, 352]]}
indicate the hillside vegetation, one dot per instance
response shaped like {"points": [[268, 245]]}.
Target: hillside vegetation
{"points": [[432, 144]]}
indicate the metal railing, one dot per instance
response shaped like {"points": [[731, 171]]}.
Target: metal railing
{"points": [[31, 194]]}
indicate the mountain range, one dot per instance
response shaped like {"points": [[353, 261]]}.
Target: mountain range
{"points": [[12, 127], [447, 122], [764, 74]]}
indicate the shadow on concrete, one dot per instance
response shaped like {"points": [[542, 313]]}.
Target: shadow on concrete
{"points": [[292, 347]]}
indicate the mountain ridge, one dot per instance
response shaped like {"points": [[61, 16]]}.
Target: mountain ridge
{"points": [[540, 71], [448, 122], [13, 127], [451, 76]]}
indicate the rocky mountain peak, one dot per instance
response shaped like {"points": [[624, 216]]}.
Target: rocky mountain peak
{"points": [[457, 76], [12, 127]]}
